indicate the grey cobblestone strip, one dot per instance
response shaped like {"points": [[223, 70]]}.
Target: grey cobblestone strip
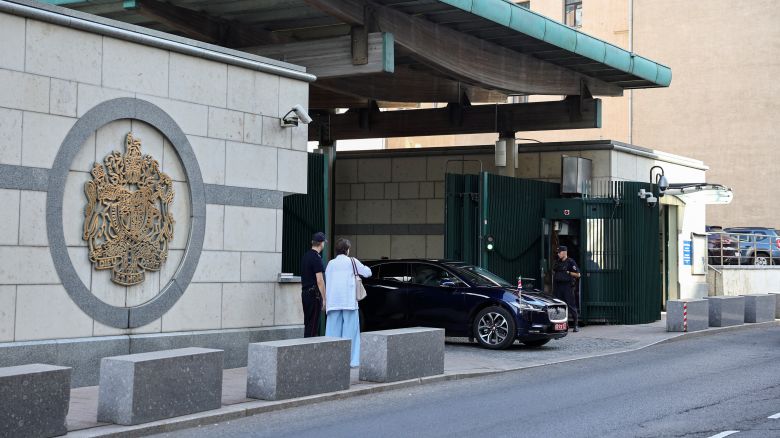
{"points": [[24, 178], [243, 196]]}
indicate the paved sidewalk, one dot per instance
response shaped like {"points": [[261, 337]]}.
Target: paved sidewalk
{"points": [[462, 360]]}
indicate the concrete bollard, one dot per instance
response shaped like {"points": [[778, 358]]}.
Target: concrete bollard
{"points": [[402, 354], [34, 400], [291, 368], [697, 318], [726, 310], [144, 387], [760, 307], [777, 304]]}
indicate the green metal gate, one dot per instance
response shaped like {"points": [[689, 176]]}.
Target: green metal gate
{"points": [[508, 209], [461, 217], [513, 212], [622, 272], [304, 215], [619, 252]]}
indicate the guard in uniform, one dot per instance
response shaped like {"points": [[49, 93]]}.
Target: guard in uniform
{"points": [[565, 275], [313, 285]]}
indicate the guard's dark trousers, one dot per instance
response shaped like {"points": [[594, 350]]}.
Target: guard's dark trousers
{"points": [[312, 307], [565, 292]]}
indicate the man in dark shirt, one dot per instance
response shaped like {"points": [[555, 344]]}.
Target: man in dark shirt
{"points": [[565, 274], [313, 285]]}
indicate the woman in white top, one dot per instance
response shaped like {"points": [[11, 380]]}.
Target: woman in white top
{"points": [[341, 302]]}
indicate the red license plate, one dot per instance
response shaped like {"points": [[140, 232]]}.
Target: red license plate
{"points": [[562, 326]]}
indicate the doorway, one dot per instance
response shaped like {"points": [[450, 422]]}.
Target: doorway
{"points": [[669, 253]]}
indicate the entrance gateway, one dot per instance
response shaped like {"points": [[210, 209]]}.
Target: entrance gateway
{"points": [[613, 238]]}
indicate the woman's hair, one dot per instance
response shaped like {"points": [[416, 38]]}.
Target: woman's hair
{"points": [[342, 246]]}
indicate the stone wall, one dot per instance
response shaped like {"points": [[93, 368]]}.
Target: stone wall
{"points": [[391, 204], [50, 77]]}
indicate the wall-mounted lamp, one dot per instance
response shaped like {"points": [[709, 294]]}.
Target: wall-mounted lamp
{"points": [[660, 180], [294, 116]]}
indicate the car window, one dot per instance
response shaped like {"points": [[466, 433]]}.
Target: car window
{"points": [[481, 277], [393, 272], [431, 275]]}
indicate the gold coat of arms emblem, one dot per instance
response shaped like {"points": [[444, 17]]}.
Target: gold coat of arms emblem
{"points": [[128, 223]]}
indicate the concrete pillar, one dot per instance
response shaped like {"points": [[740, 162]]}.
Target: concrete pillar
{"points": [[506, 154], [330, 150]]}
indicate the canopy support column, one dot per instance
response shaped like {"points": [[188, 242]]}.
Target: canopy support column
{"points": [[506, 154]]}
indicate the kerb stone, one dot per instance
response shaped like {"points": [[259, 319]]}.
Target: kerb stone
{"points": [[777, 303], [760, 307], [34, 400], [698, 315], [726, 310], [279, 370], [402, 354], [140, 388]]}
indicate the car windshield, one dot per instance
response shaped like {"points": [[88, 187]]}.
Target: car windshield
{"points": [[480, 277]]}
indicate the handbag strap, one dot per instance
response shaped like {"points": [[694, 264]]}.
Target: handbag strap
{"points": [[354, 266]]}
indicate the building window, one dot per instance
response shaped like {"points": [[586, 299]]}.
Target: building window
{"points": [[526, 5], [572, 13]]}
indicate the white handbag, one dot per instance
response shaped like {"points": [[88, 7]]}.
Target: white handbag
{"points": [[360, 291]]}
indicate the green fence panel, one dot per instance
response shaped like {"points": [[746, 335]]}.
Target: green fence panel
{"points": [[304, 215], [621, 260], [461, 218], [514, 211]]}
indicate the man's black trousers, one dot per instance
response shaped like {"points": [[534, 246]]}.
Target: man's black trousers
{"points": [[312, 308]]}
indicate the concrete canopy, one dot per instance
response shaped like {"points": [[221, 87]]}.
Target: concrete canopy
{"points": [[395, 51]]}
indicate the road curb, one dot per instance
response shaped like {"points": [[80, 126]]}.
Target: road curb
{"points": [[719, 330], [248, 409]]}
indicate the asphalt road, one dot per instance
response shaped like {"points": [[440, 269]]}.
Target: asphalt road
{"points": [[697, 387]]}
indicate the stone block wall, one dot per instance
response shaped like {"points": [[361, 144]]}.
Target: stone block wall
{"points": [[51, 76], [391, 204]]}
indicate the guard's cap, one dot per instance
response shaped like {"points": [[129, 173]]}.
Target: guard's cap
{"points": [[319, 237], [562, 248]]}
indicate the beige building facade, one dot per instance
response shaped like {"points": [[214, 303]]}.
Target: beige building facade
{"points": [[721, 107]]}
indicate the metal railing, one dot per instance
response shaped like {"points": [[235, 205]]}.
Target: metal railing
{"points": [[742, 249]]}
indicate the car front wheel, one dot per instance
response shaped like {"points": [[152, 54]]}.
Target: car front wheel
{"points": [[494, 328]]}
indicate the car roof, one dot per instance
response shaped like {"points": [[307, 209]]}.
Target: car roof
{"points": [[443, 261]]}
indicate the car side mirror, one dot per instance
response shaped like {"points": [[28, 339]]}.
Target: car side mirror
{"points": [[447, 283]]}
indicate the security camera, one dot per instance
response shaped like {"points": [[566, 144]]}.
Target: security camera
{"points": [[294, 116], [652, 201], [663, 184]]}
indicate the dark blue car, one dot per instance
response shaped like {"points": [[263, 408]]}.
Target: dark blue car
{"points": [[465, 300], [757, 245]]}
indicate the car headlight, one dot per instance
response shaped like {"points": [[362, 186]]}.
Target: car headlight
{"points": [[523, 305]]}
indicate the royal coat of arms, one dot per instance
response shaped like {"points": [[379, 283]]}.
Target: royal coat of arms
{"points": [[128, 223]]}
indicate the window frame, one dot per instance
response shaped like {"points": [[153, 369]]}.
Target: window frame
{"points": [[577, 6], [408, 272], [439, 267]]}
